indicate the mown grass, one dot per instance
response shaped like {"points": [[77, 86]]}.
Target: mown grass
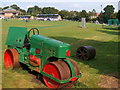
{"points": [[105, 40]]}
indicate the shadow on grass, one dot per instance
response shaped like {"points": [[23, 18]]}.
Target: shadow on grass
{"points": [[109, 32], [36, 77], [111, 28], [106, 60]]}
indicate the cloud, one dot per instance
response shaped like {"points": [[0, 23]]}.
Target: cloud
{"points": [[77, 6], [30, 6], [59, 1]]}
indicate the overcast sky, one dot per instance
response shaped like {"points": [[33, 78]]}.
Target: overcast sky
{"points": [[77, 5]]}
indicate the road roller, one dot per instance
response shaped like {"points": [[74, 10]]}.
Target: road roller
{"points": [[85, 53], [47, 56]]}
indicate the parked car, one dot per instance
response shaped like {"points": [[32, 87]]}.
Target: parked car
{"points": [[1, 17]]}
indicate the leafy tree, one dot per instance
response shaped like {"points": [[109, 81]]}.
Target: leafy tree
{"points": [[14, 6], [34, 10], [23, 11], [0, 8], [109, 10], [118, 15], [114, 15], [72, 15], [84, 14], [5, 7], [64, 14], [78, 17], [50, 10], [94, 11], [90, 13], [30, 10], [107, 14], [101, 17]]}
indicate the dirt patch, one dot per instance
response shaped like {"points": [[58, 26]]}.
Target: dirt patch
{"points": [[109, 82], [114, 75]]}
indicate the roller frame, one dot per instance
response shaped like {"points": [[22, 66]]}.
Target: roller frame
{"points": [[66, 80], [18, 38], [58, 80]]}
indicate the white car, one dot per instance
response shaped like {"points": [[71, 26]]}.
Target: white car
{"points": [[1, 17]]}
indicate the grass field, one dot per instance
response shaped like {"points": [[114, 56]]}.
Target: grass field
{"points": [[101, 72]]}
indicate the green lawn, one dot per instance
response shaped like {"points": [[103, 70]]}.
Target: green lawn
{"points": [[105, 41]]}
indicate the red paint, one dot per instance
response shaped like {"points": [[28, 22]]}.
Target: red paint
{"points": [[37, 51], [53, 70], [34, 59], [68, 53], [73, 79], [36, 69], [8, 59]]}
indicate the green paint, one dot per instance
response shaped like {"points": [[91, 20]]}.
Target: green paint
{"points": [[18, 38], [58, 80], [71, 67], [50, 46], [113, 22], [106, 61]]}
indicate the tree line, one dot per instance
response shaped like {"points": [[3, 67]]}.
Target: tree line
{"points": [[108, 13]]}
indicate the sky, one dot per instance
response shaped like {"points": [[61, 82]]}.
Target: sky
{"points": [[70, 5]]}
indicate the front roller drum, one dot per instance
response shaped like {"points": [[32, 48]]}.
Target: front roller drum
{"points": [[59, 70], [11, 59], [86, 52]]}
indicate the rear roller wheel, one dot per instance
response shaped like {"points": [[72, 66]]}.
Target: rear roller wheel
{"points": [[57, 70], [77, 71], [86, 52], [60, 70], [76, 68], [11, 59]]}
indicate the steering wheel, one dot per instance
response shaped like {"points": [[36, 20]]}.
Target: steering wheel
{"points": [[33, 31]]}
